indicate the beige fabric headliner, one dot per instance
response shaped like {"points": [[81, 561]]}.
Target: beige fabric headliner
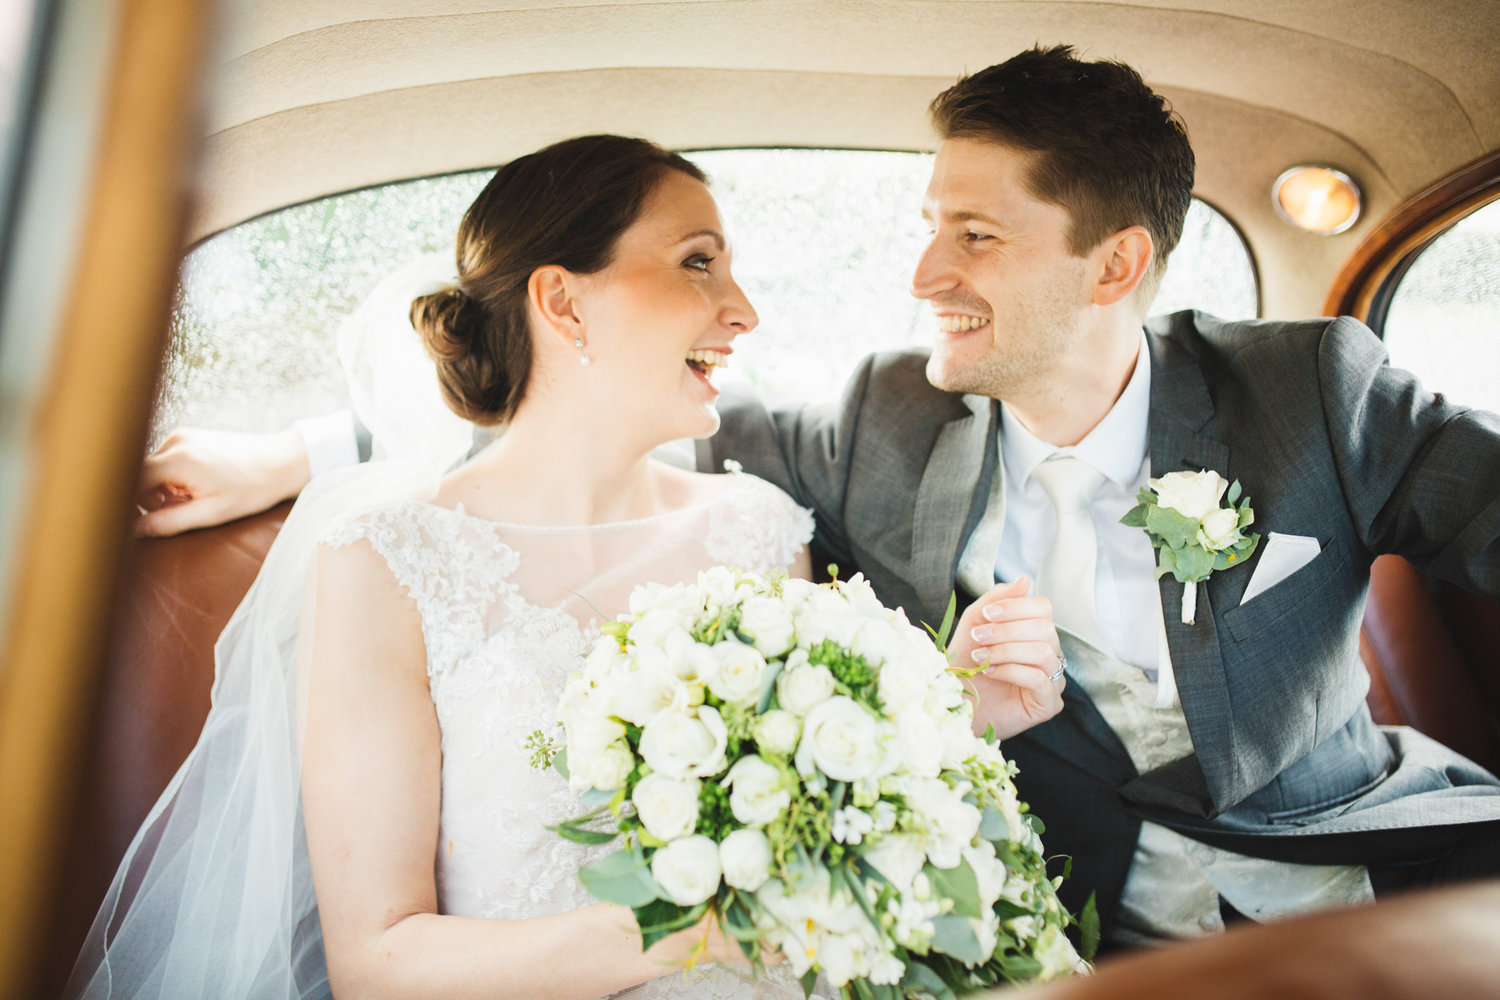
{"points": [[316, 97]]}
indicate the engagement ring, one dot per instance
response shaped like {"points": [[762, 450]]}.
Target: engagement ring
{"points": [[1062, 664]]}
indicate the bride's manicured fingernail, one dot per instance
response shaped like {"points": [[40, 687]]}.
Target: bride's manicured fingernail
{"points": [[982, 634], [994, 612]]}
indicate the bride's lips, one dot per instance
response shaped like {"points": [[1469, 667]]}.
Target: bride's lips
{"points": [[702, 361]]}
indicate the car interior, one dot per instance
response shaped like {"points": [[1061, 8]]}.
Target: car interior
{"points": [[138, 131]]}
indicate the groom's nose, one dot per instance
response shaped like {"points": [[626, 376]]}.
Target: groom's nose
{"points": [[935, 273]]}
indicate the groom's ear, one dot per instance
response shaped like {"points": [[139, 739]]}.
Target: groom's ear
{"points": [[1124, 259], [551, 291]]}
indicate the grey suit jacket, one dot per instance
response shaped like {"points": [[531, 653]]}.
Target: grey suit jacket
{"points": [[1329, 442]]}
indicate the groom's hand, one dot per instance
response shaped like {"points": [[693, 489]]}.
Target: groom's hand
{"points": [[200, 478], [1011, 639]]}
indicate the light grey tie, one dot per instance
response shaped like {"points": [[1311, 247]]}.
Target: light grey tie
{"points": [[1067, 574]]}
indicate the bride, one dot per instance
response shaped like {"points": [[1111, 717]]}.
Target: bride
{"points": [[592, 302]]}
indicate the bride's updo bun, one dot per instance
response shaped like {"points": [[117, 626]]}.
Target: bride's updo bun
{"points": [[564, 205]]}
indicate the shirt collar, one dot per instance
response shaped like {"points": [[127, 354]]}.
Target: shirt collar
{"points": [[1116, 446]]}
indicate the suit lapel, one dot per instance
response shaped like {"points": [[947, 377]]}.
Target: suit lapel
{"points": [[1181, 409], [946, 497]]}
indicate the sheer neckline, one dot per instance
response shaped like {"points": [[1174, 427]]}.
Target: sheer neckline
{"points": [[458, 510]]}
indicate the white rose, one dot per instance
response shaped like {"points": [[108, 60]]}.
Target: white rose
{"points": [[650, 596], [639, 695], [921, 743], [1218, 529], [898, 859], [800, 689], [681, 743], [722, 584], [777, 731], [903, 682], [1191, 494], [879, 641], [605, 770], [842, 740], [826, 615], [756, 795], [667, 806], [687, 869], [956, 738], [738, 676], [655, 625], [768, 622], [745, 856]]}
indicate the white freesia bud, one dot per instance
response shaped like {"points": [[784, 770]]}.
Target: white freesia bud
{"points": [[687, 869], [1191, 494], [667, 806], [842, 740], [1055, 952], [1219, 529], [681, 743], [801, 689], [745, 856], [605, 770], [777, 731], [826, 615], [768, 622], [756, 795], [738, 676]]}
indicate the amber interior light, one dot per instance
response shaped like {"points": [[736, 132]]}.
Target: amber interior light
{"points": [[1320, 200]]}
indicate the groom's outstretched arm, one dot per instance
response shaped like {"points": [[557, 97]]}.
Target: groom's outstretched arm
{"points": [[199, 478], [806, 449]]}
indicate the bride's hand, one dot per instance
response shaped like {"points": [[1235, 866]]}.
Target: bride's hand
{"points": [[1012, 637], [706, 942]]}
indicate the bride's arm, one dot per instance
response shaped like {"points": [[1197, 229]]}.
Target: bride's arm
{"points": [[371, 794]]}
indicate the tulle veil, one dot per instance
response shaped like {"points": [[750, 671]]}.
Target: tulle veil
{"points": [[214, 895]]}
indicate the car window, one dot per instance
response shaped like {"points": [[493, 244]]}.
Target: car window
{"points": [[1443, 320], [824, 242]]}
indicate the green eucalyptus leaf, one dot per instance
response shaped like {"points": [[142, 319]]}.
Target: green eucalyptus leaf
{"points": [[620, 878], [661, 917], [583, 835], [1135, 517], [992, 825], [1166, 562], [809, 981], [958, 884], [1194, 564], [954, 935], [918, 978], [560, 763], [1171, 527], [1233, 496]]}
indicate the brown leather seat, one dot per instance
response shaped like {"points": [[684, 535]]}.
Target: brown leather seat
{"points": [[177, 595], [1432, 945], [181, 592]]}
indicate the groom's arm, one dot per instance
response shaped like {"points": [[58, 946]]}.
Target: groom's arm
{"points": [[199, 478], [806, 449], [1421, 475]]}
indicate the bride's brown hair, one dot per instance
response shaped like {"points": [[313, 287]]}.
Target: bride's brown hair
{"points": [[566, 205]]}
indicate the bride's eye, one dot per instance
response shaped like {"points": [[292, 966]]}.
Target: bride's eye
{"points": [[698, 262]]}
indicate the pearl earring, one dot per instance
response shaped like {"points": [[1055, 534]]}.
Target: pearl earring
{"points": [[583, 359]]}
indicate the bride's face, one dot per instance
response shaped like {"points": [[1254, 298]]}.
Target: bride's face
{"points": [[665, 313]]}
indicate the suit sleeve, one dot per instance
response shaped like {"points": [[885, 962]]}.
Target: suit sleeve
{"points": [[1420, 475], [804, 449]]}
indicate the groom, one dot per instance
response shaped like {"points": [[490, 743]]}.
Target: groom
{"points": [[1198, 772]]}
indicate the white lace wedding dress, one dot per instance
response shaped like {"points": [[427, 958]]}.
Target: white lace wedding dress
{"points": [[508, 611]]}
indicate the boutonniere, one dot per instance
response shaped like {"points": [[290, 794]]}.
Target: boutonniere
{"points": [[1196, 521]]}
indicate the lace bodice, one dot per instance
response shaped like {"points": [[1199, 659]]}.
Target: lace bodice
{"points": [[508, 612]]}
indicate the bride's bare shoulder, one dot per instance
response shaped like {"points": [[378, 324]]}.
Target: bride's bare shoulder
{"points": [[678, 487]]}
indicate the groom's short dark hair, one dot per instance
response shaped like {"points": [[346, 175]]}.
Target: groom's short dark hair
{"points": [[1105, 146]]}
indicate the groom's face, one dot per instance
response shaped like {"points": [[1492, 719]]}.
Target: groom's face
{"points": [[1008, 296]]}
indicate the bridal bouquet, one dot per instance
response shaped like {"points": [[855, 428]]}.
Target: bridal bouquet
{"points": [[798, 759]]}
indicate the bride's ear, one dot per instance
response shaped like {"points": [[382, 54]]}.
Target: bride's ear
{"points": [[552, 293]]}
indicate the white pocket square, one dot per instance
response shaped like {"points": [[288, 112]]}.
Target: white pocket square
{"points": [[1282, 556]]}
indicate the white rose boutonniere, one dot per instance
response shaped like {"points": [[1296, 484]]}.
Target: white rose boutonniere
{"points": [[1196, 521]]}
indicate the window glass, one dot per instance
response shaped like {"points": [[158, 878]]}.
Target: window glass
{"points": [[1444, 319], [824, 243]]}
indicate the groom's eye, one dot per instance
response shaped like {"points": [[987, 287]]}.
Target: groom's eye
{"points": [[974, 237]]}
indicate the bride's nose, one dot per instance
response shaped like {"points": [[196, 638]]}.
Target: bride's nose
{"points": [[737, 313]]}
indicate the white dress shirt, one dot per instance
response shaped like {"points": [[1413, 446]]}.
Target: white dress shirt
{"points": [[1125, 589]]}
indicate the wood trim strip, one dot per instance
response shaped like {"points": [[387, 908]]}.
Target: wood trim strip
{"points": [[1408, 226], [85, 441]]}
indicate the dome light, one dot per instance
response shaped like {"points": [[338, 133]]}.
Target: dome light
{"points": [[1320, 200]]}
